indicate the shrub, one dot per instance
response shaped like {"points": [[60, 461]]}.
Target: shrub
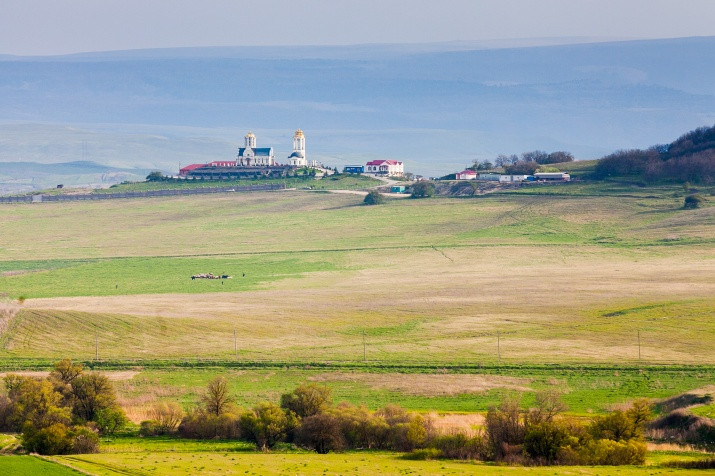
{"points": [[167, 416], [149, 428], [543, 441], [374, 198], [266, 425], [422, 190], [321, 432], [613, 453], [111, 420], [504, 429], [693, 201], [360, 427], [52, 440], [307, 400], [84, 440], [423, 454], [459, 446], [201, 425]]}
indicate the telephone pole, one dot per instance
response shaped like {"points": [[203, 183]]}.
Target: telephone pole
{"points": [[364, 347], [639, 345], [499, 346]]}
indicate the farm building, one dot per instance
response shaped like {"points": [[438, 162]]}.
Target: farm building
{"points": [[552, 176], [389, 168], [513, 178], [466, 175]]}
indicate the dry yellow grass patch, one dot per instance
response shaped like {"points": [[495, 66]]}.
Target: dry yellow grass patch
{"points": [[429, 385], [113, 375], [446, 423]]}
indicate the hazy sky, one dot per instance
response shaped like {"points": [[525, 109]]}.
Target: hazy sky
{"points": [[43, 27]]}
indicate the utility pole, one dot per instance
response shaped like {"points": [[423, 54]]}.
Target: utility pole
{"points": [[499, 346], [364, 347], [235, 345], [639, 345]]}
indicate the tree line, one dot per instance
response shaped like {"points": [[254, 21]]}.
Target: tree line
{"points": [[527, 163], [67, 411], [308, 418], [690, 158]]}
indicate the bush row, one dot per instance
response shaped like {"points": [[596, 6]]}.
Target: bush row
{"points": [[307, 418]]}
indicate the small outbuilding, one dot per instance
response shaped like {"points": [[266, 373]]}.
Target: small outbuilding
{"points": [[466, 175]]}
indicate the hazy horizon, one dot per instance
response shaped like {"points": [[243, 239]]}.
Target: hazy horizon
{"points": [[48, 27]]}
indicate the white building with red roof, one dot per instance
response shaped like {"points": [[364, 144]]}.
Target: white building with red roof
{"points": [[466, 175], [389, 168]]}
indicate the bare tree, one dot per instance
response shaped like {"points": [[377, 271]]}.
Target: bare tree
{"points": [[217, 398]]}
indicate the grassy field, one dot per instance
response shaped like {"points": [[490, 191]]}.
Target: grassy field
{"points": [[554, 279], [166, 456]]}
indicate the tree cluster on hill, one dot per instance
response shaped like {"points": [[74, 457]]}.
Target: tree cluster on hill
{"points": [[63, 413], [690, 158], [308, 418], [527, 164]]}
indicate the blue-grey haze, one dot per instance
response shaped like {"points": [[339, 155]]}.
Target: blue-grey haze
{"points": [[436, 108]]}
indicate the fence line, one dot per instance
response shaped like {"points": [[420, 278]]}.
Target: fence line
{"points": [[145, 194]]}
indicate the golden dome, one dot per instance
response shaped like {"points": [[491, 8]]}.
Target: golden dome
{"points": [[298, 133], [250, 134]]}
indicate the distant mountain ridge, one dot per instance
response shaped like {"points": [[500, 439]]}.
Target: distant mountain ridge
{"points": [[437, 109]]}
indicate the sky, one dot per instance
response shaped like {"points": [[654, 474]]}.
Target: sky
{"points": [[54, 27]]}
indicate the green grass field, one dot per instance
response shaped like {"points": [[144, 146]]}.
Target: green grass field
{"points": [[167, 456]]}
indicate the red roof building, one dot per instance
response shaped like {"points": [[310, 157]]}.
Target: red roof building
{"points": [[387, 167]]}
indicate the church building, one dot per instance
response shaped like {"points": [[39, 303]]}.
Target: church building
{"points": [[250, 155], [297, 158]]}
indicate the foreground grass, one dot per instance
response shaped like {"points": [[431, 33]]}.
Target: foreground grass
{"points": [[31, 465], [362, 463]]}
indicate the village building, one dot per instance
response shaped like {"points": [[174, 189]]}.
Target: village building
{"points": [[389, 168], [466, 175]]}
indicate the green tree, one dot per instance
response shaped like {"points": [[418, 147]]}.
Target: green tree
{"points": [[266, 425], [422, 190], [91, 394], [307, 400], [374, 198], [155, 176]]}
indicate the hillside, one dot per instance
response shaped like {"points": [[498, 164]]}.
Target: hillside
{"points": [[436, 109], [22, 177], [690, 158]]}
